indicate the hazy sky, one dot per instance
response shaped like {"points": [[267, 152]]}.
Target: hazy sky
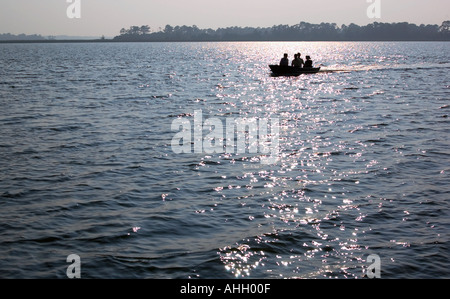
{"points": [[107, 17]]}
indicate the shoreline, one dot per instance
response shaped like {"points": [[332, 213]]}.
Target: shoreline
{"points": [[199, 41]]}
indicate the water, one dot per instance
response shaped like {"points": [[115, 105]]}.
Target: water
{"points": [[87, 166]]}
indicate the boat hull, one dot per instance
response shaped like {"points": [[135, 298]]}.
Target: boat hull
{"points": [[279, 70]]}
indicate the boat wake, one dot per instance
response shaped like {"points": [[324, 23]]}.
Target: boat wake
{"points": [[365, 68]]}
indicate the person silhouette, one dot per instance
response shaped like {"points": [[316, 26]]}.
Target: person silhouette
{"points": [[297, 62], [308, 62], [284, 61]]}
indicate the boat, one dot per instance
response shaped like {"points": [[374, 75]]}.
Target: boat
{"points": [[279, 70]]}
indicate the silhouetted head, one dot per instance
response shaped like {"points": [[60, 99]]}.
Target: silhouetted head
{"points": [[295, 55], [299, 55], [285, 55], [308, 57]]}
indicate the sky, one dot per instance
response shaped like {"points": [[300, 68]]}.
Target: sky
{"points": [[107, 17]]}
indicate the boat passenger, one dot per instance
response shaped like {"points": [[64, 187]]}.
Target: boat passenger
{"points": [[298, 62], [308, 62], [284, 61], [295, 61]]}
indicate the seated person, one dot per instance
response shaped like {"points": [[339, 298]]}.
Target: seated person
{"points": [[297, 62], [284, 61], [308, 62]]}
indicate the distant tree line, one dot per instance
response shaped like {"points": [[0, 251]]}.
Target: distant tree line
{"points": [[299, 32], [13, 37]]}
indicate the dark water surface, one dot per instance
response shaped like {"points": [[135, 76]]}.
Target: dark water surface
{"points": [[87, 166]]}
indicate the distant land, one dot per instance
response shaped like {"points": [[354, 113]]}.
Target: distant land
{"points": [[299, 32], [38, 37]]}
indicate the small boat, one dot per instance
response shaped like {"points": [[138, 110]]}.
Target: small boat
{"points": [[279, 70]]}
